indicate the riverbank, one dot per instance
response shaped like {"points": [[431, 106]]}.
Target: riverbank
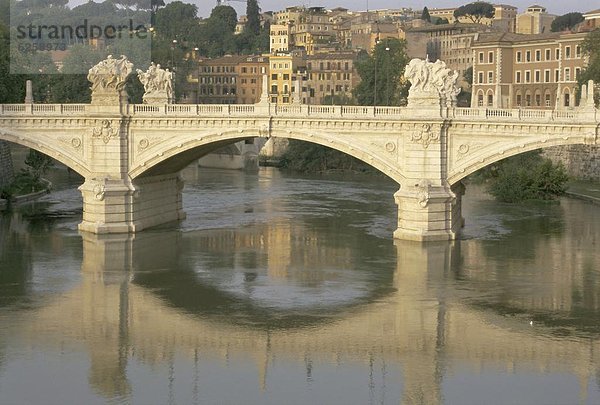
{"points": [[584, 190]]}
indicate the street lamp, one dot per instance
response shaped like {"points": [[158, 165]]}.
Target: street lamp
{"points": [[173, 45]]}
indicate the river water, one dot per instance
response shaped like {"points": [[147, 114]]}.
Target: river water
{"points": [[281, 289]]}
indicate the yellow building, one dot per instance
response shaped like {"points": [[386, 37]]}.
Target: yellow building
{"points": [[282, 68], [534, 21]]}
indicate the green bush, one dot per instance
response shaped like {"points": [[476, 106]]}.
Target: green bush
{"points": [[311, 158], [526, 177]]}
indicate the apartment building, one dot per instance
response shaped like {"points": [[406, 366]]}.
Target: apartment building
{"points": [[251, 71], [329, 74], [228, 80], [279, 38], [591, 20], [535, 20], [531, 71], [451, 43], [283, 68]]}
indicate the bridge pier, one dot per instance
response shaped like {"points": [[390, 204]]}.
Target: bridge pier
{"points": [[124, 206], [428, 213]]}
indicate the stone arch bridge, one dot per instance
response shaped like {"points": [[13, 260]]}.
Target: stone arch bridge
{"points": [[131, 155]]}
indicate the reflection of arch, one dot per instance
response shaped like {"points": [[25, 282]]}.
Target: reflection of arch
{"points": [[179, 155], [47, 149]]}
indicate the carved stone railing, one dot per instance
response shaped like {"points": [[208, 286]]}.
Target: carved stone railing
{"points": [[301, 111]]}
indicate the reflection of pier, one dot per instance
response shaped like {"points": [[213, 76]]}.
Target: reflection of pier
{"points": [[417, 325]]}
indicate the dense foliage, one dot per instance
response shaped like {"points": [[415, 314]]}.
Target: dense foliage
{"points": [[591, 48], [475, 11], [566, 22], [310, 158], [528, 176], [381, 74], [425, 15]]}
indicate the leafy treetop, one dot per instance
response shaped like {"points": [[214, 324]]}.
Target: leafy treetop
{"points": [[475, 11]]}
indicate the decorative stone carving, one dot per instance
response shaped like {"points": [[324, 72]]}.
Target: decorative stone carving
{"points": [[432, 84], [158, 85], [99, 191], [423, 195], [425, 136], [105, 131], [108, 80]]}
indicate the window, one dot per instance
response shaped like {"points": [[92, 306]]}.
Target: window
{"points": [[557, 54], [547, 76], [518, 100], [538, 76], [567, 74], [528, 56], [527, 76], [518, 77], [557, 75], [578, 51], [490, 77], [577, 73], [567, 99], [547, 100], [286, 76], [538, 55], [480, 100], [274, 76], [480, 57], [490, 99], [528, 100], [548, 54], [567, 52], [519, 56], [538, 100], [480, 78], [490, 57]]}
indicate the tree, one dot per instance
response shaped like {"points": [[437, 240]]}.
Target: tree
{"points": [[253, 15], [425, 15], [591, 48], [441, 20], [566, 22], [381, 74], [225, 16], [475, 11]]}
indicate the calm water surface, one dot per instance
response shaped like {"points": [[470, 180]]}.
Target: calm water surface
{"points": [[281, 289]]}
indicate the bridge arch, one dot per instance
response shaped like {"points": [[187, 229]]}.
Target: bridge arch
{"points": [[47, 148], [457, 175], [180, 153]]}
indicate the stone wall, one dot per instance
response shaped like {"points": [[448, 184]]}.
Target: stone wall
{"points": [[581, 161], [6, 164]]}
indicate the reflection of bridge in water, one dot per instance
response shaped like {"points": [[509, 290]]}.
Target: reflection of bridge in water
{"points": [[417, 325]]}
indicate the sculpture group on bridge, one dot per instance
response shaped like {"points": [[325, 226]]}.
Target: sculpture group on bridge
{"points": [[158, 84], [431, 83], [110, 74], [108, 79]]}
